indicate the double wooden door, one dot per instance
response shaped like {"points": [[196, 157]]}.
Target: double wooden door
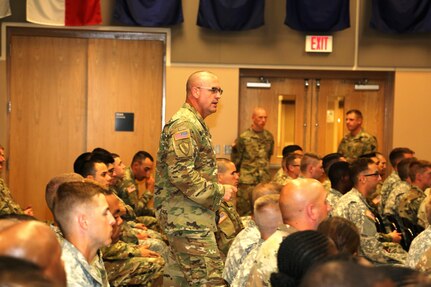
{"points": [[64, 91], [309, 109]]}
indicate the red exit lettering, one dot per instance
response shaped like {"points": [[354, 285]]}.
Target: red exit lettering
{"points": [[319, 42]]}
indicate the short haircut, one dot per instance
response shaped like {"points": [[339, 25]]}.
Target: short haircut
{"points": [[263, 202], [418, 166], [307, 159], [71, 195], [222, 164], [290, 149], [343, 232], [87, 162], [54, 183], [403, 168], [337, 171], [397, 154], [104, 155], [357, 167], [141, 155], [329, 159], [356, 112], [368, 155], [263, 189]]}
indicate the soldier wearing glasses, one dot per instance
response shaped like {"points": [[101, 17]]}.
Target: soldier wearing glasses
{"points": [[187, 194], [354, 207]]}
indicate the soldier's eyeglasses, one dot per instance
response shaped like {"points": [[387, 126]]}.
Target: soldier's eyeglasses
{"points": [[373, 174], [212, 90]]}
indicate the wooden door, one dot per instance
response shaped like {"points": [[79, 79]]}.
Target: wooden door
{"points": [[64, 91], [318, 103], [125, 76], [48, 117]]}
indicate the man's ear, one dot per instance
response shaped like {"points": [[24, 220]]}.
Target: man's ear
{"points": [[82, 221], [310, 209]]}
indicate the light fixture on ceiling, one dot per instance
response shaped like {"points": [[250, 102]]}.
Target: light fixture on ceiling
{"points": [[263, 84], [363, 85]]}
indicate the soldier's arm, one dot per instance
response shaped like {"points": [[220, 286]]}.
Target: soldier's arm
{"points": [[121, 250], [237, 152]]}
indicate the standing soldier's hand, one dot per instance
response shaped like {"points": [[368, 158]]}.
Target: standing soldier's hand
{"points": [[229, 190]]}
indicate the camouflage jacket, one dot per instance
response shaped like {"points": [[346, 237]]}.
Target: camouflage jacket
{"points": [[228, 227], [332, 198], [352, 147], [399, 189], [355, 208], [422, 214], [266, 259], [419, 246], [243, 243], [388, 186], [127, 190], [187, 194], [281, 177], [251, 154], [7, 204], [78, 271], [410, 203], [243, 273]]}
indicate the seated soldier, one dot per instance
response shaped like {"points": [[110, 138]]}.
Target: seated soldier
{"points": [[83, 215], [128, 263], [229, 223]]}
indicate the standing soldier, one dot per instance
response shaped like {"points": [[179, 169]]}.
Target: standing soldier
{"points": [[357, 142], [187, 194], [251, 154]]}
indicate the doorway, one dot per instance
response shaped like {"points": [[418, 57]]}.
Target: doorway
{"points": [[308, 108]]}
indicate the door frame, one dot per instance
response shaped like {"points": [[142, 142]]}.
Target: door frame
{"points": [[387, 76]]}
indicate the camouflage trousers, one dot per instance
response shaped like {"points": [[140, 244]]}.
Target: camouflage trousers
{"points": [[140, 271], [243, 201], [196, 255]]}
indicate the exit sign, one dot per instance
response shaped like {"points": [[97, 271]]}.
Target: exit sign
{"points": [[318, 44]]}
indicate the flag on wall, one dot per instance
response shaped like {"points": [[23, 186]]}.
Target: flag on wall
{"points": [[64, 12], [148, 13], [317, 15], [400, 16], [231, 15], [4, 8]]}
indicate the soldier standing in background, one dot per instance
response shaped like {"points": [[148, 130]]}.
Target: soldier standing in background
{"points": [[187, 194], [357, 142], [251, 154]]}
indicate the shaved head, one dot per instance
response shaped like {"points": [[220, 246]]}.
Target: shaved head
{"points": [[35, 242], [303, 203]]}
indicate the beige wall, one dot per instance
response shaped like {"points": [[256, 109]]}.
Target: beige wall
{"points": [[224, 123], [412, 102]]}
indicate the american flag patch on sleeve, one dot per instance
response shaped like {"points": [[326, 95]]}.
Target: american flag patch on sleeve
{"points": [[182, 135]]}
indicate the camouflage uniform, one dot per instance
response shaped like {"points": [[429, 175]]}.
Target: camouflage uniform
{"points": [[419, 245], [394, 198], [251, 154], [282, 179], [125, 265], [243, 243], [355, 208], [352, 147], [229, 225], [7, 204], [243, 273], [422, 215], [424, 262], [332, 198], [187, 196], [409, 204], [387, 187], [78, 271], [266, 258]]}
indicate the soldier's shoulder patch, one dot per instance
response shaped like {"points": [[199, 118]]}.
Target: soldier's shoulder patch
{"points": [[181, 135]]}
